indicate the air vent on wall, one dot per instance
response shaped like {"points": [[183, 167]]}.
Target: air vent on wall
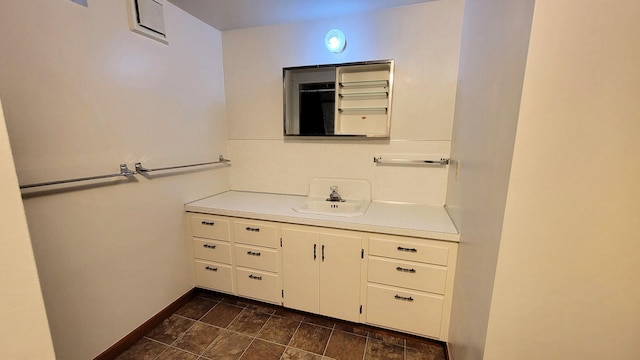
{"points": [[81, 2], [146, 17]]}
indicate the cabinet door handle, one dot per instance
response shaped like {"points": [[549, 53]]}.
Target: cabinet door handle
{"points": [[398, 297], [400, 248], [208, 223], [314, 251], [322, 252], [253, 253], [405, 269], [209, 246], [255, 277], [248, 228], [211, 268]]}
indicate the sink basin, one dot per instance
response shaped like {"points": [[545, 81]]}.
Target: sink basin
{"points": [[356, 194], [323, 207]]}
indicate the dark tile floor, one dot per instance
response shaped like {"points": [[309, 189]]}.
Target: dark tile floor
{"points": [[222, 327]]}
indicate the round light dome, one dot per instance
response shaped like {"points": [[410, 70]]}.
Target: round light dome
{"points": [[335, 41]]}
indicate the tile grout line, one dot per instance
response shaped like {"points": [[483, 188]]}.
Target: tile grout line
{"points": [[162, 352], [291, 339], [221, 332], [404, 349], [257, 333], [168, 347], [326, 346], [217, 302], [251, 342], [366, 344], [174, 341], [194, 323], [201, 355]]}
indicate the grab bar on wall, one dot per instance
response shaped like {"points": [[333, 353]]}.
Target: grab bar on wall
{"points": [[142, 169], [380, 160], [124, 171]]}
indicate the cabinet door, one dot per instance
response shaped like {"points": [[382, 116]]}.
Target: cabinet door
{"points": [[340, 263], [300, 269]]}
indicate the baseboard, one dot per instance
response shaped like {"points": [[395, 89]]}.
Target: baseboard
{"points": [[126, 342]]}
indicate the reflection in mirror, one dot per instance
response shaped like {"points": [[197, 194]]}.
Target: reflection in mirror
{"points": [[317, 107], [347, 100]]}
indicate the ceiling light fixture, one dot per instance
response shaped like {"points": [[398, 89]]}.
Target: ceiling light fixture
{"points": [[335, 41]]}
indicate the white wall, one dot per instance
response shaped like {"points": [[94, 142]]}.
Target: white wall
{"points": [[83, 94], [548, 262], [423, 40], [492, 63], [24, 331], [566, 283]]}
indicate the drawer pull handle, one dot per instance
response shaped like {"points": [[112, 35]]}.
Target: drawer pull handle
{"points": [[400, 248], [211, 268], [398, 297], [208, 223], [209, 246], [253, 253], [314, 251], [252, 229], [405, 269], [255, 277]]}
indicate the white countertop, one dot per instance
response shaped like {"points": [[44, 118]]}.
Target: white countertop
{"points": [[424, 221]]}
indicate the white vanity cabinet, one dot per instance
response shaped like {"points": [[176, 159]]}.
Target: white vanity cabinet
{"points": [[211, 250], [410, 284], [321, 271], [236, 256], [399, 282], [257, 259]]}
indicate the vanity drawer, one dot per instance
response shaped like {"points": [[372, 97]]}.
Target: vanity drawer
{"points": [[255, 233], [214, 276], [256, 257], [407, 249], [258, 285], [212, 250], [210, 227], [403, 310], [411, 275]]}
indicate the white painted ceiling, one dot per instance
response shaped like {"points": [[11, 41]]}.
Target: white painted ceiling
{"points": [[237, 14]]}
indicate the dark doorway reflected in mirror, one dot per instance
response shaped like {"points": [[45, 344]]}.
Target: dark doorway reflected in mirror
{"points": [[317, 108]]}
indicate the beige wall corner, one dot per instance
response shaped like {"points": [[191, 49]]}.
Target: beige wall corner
{"points": [[492, 65], [83, 94], [24, 331], [566, 284]]}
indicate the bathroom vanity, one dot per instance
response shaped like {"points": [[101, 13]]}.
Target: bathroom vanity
{"points": [[392, 267]]}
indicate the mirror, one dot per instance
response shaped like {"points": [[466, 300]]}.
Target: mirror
{"points": [[338, 100]]}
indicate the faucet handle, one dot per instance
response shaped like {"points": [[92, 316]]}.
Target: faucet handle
{"points": [[333, 188]]}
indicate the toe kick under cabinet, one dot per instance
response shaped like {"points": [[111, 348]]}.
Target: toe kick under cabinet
{"points": [[396, 282]]}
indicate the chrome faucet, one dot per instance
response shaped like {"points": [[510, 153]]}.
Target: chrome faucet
{"points": [[334, 196]]}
